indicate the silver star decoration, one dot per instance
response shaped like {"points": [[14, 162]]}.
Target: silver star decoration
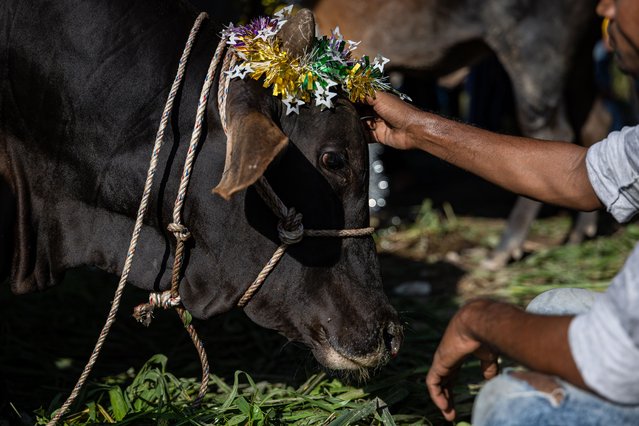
{"points": [[336, 34], [233, 72], [240, 71], [284, 12], [379, 62], [352, 45], [232, 39], [329, 83], [323, 97], [265, 33], [245, 69], [292, 104]]}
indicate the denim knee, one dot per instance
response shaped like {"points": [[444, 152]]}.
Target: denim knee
{"points": [[562, 301], [507, 401]]}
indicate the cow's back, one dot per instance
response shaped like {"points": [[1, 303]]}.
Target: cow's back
{"points": [[440, 35], [86, 57], [83, 86]]}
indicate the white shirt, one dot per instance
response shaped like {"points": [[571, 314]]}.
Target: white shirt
{"points": [[605, 341]]}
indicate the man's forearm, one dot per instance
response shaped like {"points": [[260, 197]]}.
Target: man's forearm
{"points": [[538, 342], [549, 171]]}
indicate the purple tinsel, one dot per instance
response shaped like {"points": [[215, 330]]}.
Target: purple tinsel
{"points": [[252, 29]]}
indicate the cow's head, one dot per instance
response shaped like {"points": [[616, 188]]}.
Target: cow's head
{"points": [[73, 167], [325, 292]]}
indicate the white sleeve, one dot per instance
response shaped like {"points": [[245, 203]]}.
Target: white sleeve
{"points": [[605, 341], [613, 171]]}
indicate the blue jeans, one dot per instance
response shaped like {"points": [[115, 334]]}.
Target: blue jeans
{"points": [[509, 401]]}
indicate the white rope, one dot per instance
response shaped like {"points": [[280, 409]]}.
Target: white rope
{"points": [[138, 222], [223, 89], [197, 131], [291, 231]]}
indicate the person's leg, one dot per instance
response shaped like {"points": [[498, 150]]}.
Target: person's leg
{"points": [[526, 398], [562, 301]]}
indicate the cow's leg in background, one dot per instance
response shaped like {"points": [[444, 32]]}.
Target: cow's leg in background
{"points": [[541, 106]]}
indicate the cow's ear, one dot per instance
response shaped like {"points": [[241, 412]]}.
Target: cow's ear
{"points": [[297, 33], [254, 140]]}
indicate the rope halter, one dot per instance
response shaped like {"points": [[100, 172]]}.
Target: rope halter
{"points": [[290, 227], [180, 231], [291, 231]]}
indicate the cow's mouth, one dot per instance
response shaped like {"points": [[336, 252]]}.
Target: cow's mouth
{"points": [[335, 357]]}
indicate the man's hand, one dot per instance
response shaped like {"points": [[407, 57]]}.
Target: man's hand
{"points": [[487, 328], [458, 342], [394, 121]]}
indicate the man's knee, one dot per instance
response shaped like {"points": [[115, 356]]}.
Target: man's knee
{"points": [[541, 382], [562, 301], [516, 398]]}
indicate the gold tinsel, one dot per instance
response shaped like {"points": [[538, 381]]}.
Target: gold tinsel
{"points": [[360, 83], [279, 69], [328, 64]]}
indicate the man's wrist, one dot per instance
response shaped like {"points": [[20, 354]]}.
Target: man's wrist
{"points": [[477, 317]]}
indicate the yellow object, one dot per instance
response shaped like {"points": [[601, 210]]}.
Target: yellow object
{"points": [[359, 83]]}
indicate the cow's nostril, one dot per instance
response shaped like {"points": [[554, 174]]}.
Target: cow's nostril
{"points": [[393, 336]]}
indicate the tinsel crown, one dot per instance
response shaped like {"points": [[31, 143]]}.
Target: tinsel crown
{"points": [[330, 64]]}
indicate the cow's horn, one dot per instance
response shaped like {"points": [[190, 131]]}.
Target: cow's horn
{"points": [[254, 141], [297, 33]]}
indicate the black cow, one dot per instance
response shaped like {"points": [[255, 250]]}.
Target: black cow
{"points": [[83, 86], [544, 45]]}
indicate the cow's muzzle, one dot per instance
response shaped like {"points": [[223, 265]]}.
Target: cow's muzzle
{"points": [[367, 354]]}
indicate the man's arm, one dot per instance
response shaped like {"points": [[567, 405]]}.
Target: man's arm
{"points": [[486, 329], [548, 171]]}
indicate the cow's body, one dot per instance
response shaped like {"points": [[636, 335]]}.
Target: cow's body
{"points": [[83, 87], [544, 45]]}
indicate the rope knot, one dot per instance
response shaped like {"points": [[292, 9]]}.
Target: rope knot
{"points": [[144, 313], [290, 228], [180, 231]]}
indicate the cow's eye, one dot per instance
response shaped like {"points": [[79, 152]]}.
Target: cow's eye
{"points": [[333, 160]]}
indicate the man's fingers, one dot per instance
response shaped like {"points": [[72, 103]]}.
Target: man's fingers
{"points": [[370, 121], [441, 395], [489, 368], [489, 361], [378, 129], [442, 399]]}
